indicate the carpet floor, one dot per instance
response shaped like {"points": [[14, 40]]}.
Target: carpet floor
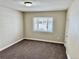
{"points": [[28, 49]]}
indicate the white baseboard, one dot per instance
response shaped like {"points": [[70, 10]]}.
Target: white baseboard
{"points": [[68, 55], [44, 40], [10, 44]]}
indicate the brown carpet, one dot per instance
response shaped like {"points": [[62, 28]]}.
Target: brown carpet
{"points": [[27, 49]]}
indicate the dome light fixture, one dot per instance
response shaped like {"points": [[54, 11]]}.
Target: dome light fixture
{"points": [[28, 3]]}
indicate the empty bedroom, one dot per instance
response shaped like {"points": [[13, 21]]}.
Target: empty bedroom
{"points": [[39, 29]]}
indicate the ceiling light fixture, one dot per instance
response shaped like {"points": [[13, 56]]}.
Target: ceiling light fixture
{"points": [[28, 3]]}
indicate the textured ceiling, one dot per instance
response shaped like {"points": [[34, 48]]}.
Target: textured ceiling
{"points": [[38, 5]]}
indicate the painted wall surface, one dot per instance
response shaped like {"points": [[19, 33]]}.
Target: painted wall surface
{"points": [[59, 26], [11, 26], [72, 31]]}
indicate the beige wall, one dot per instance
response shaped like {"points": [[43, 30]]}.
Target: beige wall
{"points": [[59, 26], [11, 26], [72, 31]]}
